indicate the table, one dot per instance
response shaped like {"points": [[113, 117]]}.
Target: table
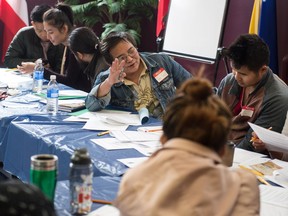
{"points": [[38, 134], [25, 132]]}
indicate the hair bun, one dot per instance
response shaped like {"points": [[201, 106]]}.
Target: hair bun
{"points": [[196, 88]]}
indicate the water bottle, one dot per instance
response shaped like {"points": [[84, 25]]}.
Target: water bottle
{"points": [[38, 76], [52, 96], [80, 180]]}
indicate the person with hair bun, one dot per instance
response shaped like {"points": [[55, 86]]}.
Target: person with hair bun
{"points": [[58, 23], [186, 176], [85, 46]]}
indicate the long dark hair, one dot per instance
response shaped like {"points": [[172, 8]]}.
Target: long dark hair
{"points": [[84, 40], [59, 16]]}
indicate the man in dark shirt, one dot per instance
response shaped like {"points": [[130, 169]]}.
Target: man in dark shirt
{"points": [[31, 43], [252, 91]]}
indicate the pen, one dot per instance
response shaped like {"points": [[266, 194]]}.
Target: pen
{"points": [[255, 172], [253, 139], [102, 201], [103, 133], [153, 130], [262, 180]]}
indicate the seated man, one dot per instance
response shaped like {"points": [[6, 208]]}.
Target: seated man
{"points": [[31, 43], [252, 91], [134, 80]]}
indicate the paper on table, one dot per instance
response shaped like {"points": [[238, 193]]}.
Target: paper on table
{"points": [[274, 201], [95, 123], [119, 118], [105, 210], [147, 148], [132, 162], [274, 141], [134, 136], [111, 143], [16, 105], [76, 93], [87, 115], [241, 155]]}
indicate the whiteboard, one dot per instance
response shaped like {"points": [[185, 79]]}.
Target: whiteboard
{"points": [[194, 28]]}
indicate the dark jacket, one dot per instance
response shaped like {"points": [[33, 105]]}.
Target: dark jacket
{"points": [[269, 101], [26, 47], [74, 75]]}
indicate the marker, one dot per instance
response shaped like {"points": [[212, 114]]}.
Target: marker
{"points": [[103, 133]]}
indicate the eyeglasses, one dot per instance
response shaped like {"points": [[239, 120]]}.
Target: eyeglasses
{"points": [[131, 53]]}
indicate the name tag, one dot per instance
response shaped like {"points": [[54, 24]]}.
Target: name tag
{"points": [[247, 111], [160, 75]]}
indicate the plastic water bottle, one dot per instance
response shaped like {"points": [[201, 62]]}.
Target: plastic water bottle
{"points": [[52, 96], [38, 76], [80, 180]]}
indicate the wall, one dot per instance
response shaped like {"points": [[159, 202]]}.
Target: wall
{"points": [[238, 18]]}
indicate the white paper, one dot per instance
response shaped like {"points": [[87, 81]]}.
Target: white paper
{"points": [[111, 143], [106, 210], [274, 141], [274, 201], [134, 136], [16, 105], [119, 118], [241, 155], [132, 162], [95, 123], [76, 93], [147, 148]]}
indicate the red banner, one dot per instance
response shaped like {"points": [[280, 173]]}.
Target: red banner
{"points": [[13, 15]]}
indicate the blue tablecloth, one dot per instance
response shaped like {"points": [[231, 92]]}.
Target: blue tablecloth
{"points": [[38, 134]]}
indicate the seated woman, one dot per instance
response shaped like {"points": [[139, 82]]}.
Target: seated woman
{"points": [[58, 23], [85, 46], [186, 176]]}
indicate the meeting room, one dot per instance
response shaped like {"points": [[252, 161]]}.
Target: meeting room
{"points": [[147, 107]]}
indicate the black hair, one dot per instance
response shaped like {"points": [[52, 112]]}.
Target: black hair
{"points": [[111, 40], [84, 40], [248, 50], [59, 16], [37, 12]]}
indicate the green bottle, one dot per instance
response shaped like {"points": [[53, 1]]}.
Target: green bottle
{"points": [[43, 173]]}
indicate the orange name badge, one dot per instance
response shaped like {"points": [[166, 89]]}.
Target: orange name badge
{"points": [[247, 111], [160, 75]]}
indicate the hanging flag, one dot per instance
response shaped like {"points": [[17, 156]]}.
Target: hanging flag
{"points": [[13, 15], [264, 23], [254, 22], [162, 12], [268, 30]]}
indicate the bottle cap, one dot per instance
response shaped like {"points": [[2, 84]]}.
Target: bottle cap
{"points": [[81, 156], [38, 61], [52, 77]]}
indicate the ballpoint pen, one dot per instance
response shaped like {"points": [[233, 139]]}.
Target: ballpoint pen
{"points": [[102, 201], [103, 133]]}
